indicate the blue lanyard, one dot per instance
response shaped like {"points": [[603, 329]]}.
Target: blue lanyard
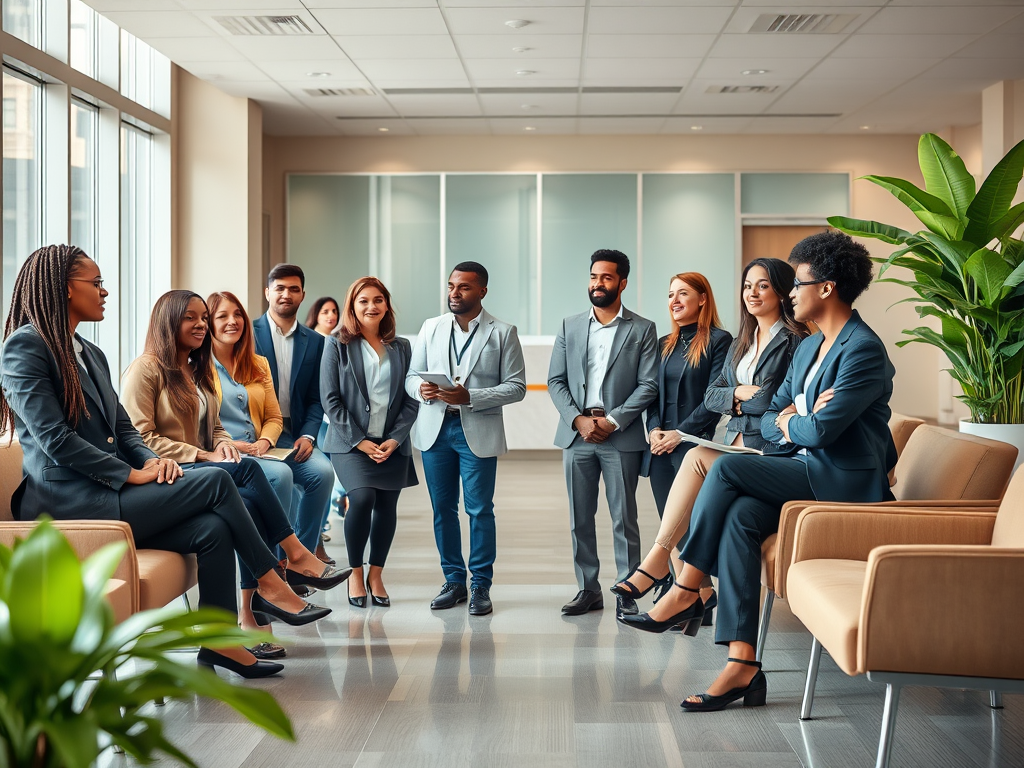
{"points": [[459, 355]]}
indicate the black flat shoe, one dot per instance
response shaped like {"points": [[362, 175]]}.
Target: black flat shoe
{"points": [[268, 651], [211, 659], [358, 601], [754, 694], [691, 618], [585, 601], [451, 594], [264, 609], [625, 588], [329, 579]]}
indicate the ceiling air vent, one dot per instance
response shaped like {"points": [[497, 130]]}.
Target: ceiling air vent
{"points": [[264, 25], [742, 89], [317, 92], [801, 23]]}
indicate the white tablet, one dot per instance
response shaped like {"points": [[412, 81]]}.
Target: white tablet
{"points": [[441, 380]]}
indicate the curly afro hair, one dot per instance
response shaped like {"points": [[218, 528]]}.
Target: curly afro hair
{"points": [[833, 255]]}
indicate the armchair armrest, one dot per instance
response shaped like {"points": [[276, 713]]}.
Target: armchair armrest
{"points": [[942, 609], [791, 513]]}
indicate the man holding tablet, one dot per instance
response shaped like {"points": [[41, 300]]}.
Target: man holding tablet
{"points": [[465, 366]]}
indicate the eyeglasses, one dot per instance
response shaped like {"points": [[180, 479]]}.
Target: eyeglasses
{"points": [[97, 283], [798, 283]]}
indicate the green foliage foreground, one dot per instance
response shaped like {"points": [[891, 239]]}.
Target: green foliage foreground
{"points": [[60, 703]]}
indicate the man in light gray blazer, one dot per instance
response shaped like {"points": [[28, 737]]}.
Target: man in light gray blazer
{"points": [[603, 375], [460, 430]]}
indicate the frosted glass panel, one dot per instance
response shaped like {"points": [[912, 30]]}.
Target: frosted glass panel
{"points": [[493, 220], [580, 214], [409, 238], [812, 194], [689, 226], [329, 232]]}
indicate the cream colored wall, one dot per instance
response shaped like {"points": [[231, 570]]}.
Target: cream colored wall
{"points": [[217, 190], [916, 390]]}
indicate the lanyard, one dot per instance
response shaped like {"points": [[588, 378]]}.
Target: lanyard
{"points": [[459, 355]]}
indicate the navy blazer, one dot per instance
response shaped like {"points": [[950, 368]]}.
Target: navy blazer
{"points": [[850, 450], [347, 402], [307, 412], [68, 472]]}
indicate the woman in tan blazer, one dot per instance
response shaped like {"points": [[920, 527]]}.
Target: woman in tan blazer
{"points": [[169, 394]]}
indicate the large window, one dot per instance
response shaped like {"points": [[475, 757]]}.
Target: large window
{"points": [[83, 38], [21, 19], [136, 242], [84, 120]]}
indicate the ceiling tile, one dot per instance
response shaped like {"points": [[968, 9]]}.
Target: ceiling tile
{"points": [[226, 70], [937, 21], [262, 6], [789, 125], [450, 105], [641, 46], [842, 96], [537, 104], [542, 126], [897, 69], [830, 4], [180, 49], [627, 103], [731, 70], [348, 106], [382, 21], [373, 128], [637, 70], [467, 126], [620, 125], [542, 69], [989, 69], [673, 3], [696, 101], [398, 46], [705, 125], [387, 83], [775, 46], [491, 21], [907, 46], [311, 4], [518, 83], [298, 71], [108, 6], [539, 46], [413, 69], [264, 49], [153, 24], [517, 5], [995, 46], [745, 17], [657, 20]]}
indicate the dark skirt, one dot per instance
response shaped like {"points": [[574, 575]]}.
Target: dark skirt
{"points": [[357, 470]]}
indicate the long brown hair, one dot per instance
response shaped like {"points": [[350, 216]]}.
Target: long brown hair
{"points": [[780, 275], [162, 344], [707, 319], [40, 298], [243, 353], [348, 326], [314, 311]]}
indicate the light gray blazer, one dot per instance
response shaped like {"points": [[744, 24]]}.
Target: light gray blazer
{"points": [[346, 401], [630, 385], [497, 377]]}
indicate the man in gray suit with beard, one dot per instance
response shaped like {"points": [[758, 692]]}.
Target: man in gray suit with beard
{"points": [[603, 375]]}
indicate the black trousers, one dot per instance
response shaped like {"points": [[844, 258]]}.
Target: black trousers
{"points": [[200, 513], [736, 510], [372, 516]]}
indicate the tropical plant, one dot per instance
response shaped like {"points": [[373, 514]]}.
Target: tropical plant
{"points": [[67, 691], [968, 271]]}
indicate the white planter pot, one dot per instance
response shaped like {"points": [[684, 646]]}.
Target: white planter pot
{"points": [[1004, 433]]}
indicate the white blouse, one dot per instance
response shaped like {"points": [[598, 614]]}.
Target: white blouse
{"points": [[748, 363], [378, 387]]}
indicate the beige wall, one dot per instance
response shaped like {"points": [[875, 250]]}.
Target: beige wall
{"points": [[217, 190]]}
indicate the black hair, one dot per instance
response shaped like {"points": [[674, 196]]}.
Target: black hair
{"points": [[286, 270], [834, 256], [780, 275], [618, 258], [471, 266]]}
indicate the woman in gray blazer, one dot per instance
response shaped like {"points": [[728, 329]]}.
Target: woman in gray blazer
{"points": [[362, 387]]}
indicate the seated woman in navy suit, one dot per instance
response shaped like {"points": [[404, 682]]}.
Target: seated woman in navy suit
{"points": [[84, 459], [839, 449]]}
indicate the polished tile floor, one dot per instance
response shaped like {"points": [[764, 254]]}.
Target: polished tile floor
{"points": [[411, 688]]}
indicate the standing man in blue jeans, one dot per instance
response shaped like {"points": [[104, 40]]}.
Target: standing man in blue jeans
{"points": [[294, 353], [460, 430]]}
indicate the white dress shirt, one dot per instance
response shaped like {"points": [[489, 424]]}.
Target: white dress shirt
{"points": [[284, 348], [599, 348], [748, 363], [378, 387]]}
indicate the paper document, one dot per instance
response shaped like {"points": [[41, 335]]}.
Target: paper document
{"points": [[722, 447], [441, 380], [278, 454]]}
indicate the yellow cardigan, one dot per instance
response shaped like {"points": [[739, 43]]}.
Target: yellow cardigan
{"points": [[264, 409]]}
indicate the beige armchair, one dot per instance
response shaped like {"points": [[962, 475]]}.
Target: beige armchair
{"points": [[146, 578], [880, 589], [937, 467]]}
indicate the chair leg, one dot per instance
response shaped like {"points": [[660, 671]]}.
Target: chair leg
{"points": [[995, 699], [812, 680], [762, 630], [892, 702]]}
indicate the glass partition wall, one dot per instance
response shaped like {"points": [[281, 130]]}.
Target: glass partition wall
{"points": [[535, 234]]}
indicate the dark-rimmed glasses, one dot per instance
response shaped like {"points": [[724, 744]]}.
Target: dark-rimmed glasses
{"points": [[97, 282], [797, 283]]}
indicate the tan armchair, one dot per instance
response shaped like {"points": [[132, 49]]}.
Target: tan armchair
{"points": [[880, 589], [146, 578], [937, 467]]}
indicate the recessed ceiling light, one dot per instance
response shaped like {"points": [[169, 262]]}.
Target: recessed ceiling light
{"points": [[754, 72], [521, 49], [865, 127], [529, 106], [318, 74], [516, 23], [525, 72], [529, 128], [696, 127], [383, 130]]}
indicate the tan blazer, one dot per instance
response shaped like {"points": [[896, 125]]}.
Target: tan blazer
{"points": [[168, 433], [264, 408]]}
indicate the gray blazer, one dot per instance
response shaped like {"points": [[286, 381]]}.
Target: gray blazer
{"points": [[630, 385], [68, 472], [346, 402], [497, 377]]}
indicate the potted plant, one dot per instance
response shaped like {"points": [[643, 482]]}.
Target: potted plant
{"points": [[65, 693], [968, 271]]}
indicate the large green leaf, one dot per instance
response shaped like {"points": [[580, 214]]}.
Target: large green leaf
{"points": [[873, 229], [945, 174], [995, 196], [989, 272], [912, 196], [1015, 278], [1008, 224], [949, 227]]}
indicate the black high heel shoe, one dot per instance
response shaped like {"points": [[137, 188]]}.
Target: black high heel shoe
{"points": [[380, 602], [329, 579], [627, 589], [690, 618], [211, 659], [266, 610], [359, 601], [709, 609], [754, 694]]}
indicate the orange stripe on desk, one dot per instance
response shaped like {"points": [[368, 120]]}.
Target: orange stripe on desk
{"points": [[536, 387]]}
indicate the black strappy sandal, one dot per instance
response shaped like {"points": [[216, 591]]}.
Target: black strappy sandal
{"points": [[627, 589], [754, 694], [690, 618]]}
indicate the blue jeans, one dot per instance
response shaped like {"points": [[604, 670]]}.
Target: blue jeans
{"points": [[315, 478], [448, 460]]}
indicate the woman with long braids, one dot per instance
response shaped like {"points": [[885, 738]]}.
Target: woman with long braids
{"points": [[84, 459], [170, 396]]}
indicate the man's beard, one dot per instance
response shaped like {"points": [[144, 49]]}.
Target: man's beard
{"points": [[461, 308], [606, 300]]}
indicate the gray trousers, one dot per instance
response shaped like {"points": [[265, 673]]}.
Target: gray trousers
{"points": [[584, 464]]}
